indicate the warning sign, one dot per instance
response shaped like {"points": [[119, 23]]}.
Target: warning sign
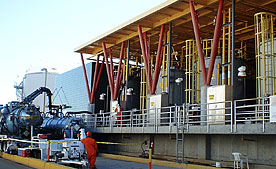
{"points": [[211, 97]]}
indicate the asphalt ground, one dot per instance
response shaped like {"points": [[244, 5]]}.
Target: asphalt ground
{"points": [[101, 163], [106, 163], [7, 164]]}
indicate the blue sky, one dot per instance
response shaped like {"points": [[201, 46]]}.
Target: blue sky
{"points": [[35, 34]]}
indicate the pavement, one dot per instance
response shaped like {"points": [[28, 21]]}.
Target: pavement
{"points": [[7, 164], [106, 163]]}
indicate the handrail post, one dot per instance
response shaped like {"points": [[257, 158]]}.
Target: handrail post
{"points": [[187, 116], [263, 115], [231, 116], [110, 122], [235, 115], [95, 122], [155, 119], [103, 124], [143, 118], [131, 120], [170, 120], [208, 117]]}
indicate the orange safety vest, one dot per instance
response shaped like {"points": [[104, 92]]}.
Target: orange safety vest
{"points": [[119, 115]]}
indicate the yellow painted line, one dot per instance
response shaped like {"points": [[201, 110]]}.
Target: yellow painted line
{"points": [[126, 144], [156, 162], [32, 162]]}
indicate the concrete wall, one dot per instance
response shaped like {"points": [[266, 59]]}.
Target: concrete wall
{"points": [[260, 149]]}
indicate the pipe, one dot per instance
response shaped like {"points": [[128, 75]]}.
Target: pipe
{"points": [[86, 80], [233, 45], [158, 60], [169, 63], [111, 84], [215, 42], [128, 55], [146, 61], [94, 80], [198, 41]]}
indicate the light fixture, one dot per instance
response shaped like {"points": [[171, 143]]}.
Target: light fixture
{"points": [[242, 72], [129, 91], [102, 96], [178, 80]]}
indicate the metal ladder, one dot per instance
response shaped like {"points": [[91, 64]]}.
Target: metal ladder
{"points": [[180, 130]]}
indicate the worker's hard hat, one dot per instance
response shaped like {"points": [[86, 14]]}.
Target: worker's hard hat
{"points": [[88, 134]]}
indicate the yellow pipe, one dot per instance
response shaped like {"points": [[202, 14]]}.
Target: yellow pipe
{"points": [[218, 75], [263, 55], [272, 57], [229, 47]]}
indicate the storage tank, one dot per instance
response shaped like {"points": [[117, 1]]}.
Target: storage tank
{"points": [[32, 81]]}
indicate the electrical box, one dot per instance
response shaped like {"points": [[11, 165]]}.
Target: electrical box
{"points": [[113, 104], [216, 100], [156, 102]]}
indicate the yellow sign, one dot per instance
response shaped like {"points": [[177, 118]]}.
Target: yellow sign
{"points": [[152, 104], [211, 97]]}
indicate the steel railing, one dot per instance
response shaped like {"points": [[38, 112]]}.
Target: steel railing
{"points": [[227, 113]]}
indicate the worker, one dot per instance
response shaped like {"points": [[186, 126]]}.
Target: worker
{"points": [[118, 111], [91, 148]]}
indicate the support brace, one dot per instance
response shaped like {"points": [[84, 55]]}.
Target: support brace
{"points": [[207, 77], [145, 52], [96, 79], [110, 71], [86, 80]]}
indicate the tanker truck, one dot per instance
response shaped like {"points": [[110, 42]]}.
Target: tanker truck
{"points": [[17, 117]]}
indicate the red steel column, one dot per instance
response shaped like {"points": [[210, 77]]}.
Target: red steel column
{"points": [[98, 79], [86, 80], [94, 80], [146, 61], [111, 63], [148, 58], [158, 60], [119, 69], [198, 41], [215, 41], [111, 83]]}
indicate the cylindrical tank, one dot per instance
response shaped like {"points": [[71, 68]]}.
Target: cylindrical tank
{"points": [[32, 81], [265, 50], [16, 116], [59, 125]]}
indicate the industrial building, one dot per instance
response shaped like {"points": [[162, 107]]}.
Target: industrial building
{"points": [[196, 78]]}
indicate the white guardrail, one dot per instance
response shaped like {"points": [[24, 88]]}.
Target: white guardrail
{"points": [[228, 113]]}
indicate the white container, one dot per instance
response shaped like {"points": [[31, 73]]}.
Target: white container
{"points": [[218, 164]]}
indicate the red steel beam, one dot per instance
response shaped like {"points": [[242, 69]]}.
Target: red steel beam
{"points": [[146, 61], [111, 83], [98, 79], [148, 58], [86, 80], [198, 41], [111, 63], [215, 42], [162, 51], [121, 77], [158, 60], [94, 79], [119, 69]]}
